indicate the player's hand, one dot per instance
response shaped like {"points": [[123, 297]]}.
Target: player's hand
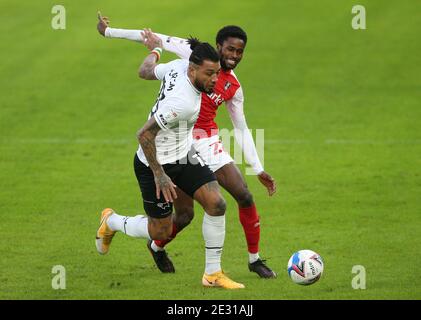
{"points": [[268, 182], [103, 23], [151, 40], [164, 184]]}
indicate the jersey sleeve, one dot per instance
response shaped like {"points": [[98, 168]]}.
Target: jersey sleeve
{"points": [[171, 112], [242, 133], [176, 45], [163, 68], [133, 35]]}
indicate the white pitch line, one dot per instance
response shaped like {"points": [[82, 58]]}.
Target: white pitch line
{"points": [[345, 141], [58, 141], [373, 141]]}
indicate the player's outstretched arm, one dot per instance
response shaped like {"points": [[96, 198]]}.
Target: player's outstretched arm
{"points": [[176, 45], [105, 30], [146, 137], [245, 140]]}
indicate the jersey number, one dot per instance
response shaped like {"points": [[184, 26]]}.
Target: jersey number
{"points": [[217, 147]]}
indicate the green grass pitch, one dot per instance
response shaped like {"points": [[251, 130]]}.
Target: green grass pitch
{"points": [[341, 109]]}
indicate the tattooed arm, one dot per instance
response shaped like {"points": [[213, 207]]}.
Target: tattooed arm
{"points": [[146, 70], [146, 137]]}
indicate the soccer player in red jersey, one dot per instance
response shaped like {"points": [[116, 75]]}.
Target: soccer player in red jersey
{"points": [[231, 42]]}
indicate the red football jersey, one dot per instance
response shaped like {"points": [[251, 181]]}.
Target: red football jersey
{"points": [[224, 90]]}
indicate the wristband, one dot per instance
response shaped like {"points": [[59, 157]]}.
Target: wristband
{"points": [[157, 51]]}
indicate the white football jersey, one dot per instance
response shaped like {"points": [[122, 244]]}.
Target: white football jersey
{"points": [[176, 110]]}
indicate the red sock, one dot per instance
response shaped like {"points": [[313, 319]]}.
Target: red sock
{"points": [[162, 243], [250, 221]]}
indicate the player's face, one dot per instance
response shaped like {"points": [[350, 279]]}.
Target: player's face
{"points": [[231, 52], [206, 76]]}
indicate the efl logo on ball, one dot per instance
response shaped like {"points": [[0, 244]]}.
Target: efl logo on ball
{"points": [[305, 267]]}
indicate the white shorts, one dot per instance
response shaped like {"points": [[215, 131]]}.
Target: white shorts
{"points": [[212, 152]]}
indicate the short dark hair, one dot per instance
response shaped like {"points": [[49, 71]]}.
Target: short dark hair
{"points": [[201, 51], [230, 31]]}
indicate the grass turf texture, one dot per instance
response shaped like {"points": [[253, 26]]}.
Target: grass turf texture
{"points": [[341, 113]]}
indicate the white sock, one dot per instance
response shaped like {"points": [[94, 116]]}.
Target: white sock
{"points": [[133, 226], [155, 247], [213, 229], [253, 257]]}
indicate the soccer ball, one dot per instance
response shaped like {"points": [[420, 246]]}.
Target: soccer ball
{"points": [[305, 267]]}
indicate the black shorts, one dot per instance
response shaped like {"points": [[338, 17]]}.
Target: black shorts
{"points": [[188, 174]]}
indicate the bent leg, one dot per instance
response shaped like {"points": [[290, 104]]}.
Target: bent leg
{"points": [[184, 214], [231, 179]]}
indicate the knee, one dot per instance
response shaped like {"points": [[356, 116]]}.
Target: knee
{"points": [[218, 208], [244, 198]]}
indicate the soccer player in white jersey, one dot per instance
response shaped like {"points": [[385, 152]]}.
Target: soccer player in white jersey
{"points": [[231, 42], [169, 171]]}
